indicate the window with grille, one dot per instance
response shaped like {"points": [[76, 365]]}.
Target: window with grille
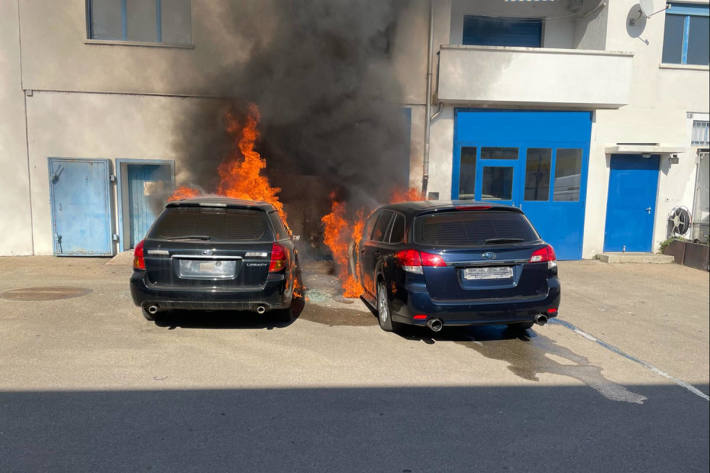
{"points": [[143, 21]]}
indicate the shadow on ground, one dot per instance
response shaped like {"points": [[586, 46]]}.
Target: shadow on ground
{"points": [[199, 319], [398, 429]]}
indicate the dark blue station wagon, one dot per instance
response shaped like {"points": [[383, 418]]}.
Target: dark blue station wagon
{"points": [[439, 264]]}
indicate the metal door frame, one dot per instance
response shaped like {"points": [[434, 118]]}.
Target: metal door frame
{"points": [[109, 213], [119, 187]]}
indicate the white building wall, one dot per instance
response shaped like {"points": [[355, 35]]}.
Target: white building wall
{"points": [[105, 126], [558, 32], [661, 98], [15, 229]]}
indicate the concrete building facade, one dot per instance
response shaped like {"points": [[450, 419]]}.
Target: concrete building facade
{"points": [[588, 102]]}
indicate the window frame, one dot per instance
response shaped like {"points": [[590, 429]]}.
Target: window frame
{"points": [[124, 29], [685, 10], [386, 233], [397, 215]]}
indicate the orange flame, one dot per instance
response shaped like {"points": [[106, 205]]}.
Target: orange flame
{"points": [[401, 195], [183, 192], [338, 234], [240, 173]]}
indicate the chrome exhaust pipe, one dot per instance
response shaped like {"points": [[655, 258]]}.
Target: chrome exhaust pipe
{"points": [[541, 319], [435, 325], [260, 310], [152, 309]]}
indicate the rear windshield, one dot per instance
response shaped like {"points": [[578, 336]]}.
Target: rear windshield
{"points": [[462, 228], [214, 224]]}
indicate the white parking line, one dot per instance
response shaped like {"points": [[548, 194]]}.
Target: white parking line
{"points": [[646, 365]]}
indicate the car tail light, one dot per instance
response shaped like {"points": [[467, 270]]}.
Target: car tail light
{"points": [[279, 258], [544, 254], [552, 311], [138, 260], [419, 317], [412, 260]]}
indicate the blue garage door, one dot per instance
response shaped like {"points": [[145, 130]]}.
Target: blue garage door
{"points": [[81, 210], [631, 203], [535, 160]]}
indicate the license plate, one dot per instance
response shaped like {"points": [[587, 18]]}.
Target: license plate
{"points": [[199, 269], [492, 272]]}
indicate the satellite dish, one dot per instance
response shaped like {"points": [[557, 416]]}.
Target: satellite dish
{"points": [[646, 7], [679, 220]]}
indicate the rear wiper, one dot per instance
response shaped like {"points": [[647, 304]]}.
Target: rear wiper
{"points": [[191, 237], [504, 240]]}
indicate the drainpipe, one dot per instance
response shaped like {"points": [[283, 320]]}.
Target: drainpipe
{"points": [[427, 113]]}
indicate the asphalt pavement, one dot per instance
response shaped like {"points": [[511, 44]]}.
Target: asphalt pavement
{"points": [[620, 383]]}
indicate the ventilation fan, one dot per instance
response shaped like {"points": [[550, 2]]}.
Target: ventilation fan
{"points": [[679, 220]]}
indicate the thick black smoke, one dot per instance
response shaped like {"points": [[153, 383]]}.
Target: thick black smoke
{"points": [[321, 74]]}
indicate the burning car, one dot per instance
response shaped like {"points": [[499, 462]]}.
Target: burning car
{"points": [[216, 253], [439, 264]]}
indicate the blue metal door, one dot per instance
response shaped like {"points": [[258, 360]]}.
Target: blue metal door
{"points": [[534, 160], [631, 203], [81, 206], [141, 179]]}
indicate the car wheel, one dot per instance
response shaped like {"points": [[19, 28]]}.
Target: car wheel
{"points": [[148, 316], [521, 326], [384, 316]]}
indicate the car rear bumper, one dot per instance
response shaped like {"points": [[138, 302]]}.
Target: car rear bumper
{"points": [[476, 312], [272, 296]]}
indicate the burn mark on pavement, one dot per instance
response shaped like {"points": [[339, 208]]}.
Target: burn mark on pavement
{"points": [[529, 354], [44, 293]]}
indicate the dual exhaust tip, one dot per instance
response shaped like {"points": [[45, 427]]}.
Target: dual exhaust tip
{"points": [[435, 325], [153, 309]]}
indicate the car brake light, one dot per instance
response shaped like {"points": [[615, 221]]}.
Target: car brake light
{"points": [[544, 254], [412, 260], [138, 259], [279, 258], [419, 317]]}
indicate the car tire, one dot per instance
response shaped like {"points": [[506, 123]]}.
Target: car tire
{"points": [[148, 316], [384, 315], [521, 326]]}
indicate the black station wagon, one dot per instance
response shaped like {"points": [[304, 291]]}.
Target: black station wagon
{"points": [[439, 264], [216, 253]]}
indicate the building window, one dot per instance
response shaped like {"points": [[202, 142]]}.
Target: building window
{"points": [[489, 31], [537, 174], [467, 173], [685, 39], [568, 173], [497, 183], [145, 21], [701, 133]]}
